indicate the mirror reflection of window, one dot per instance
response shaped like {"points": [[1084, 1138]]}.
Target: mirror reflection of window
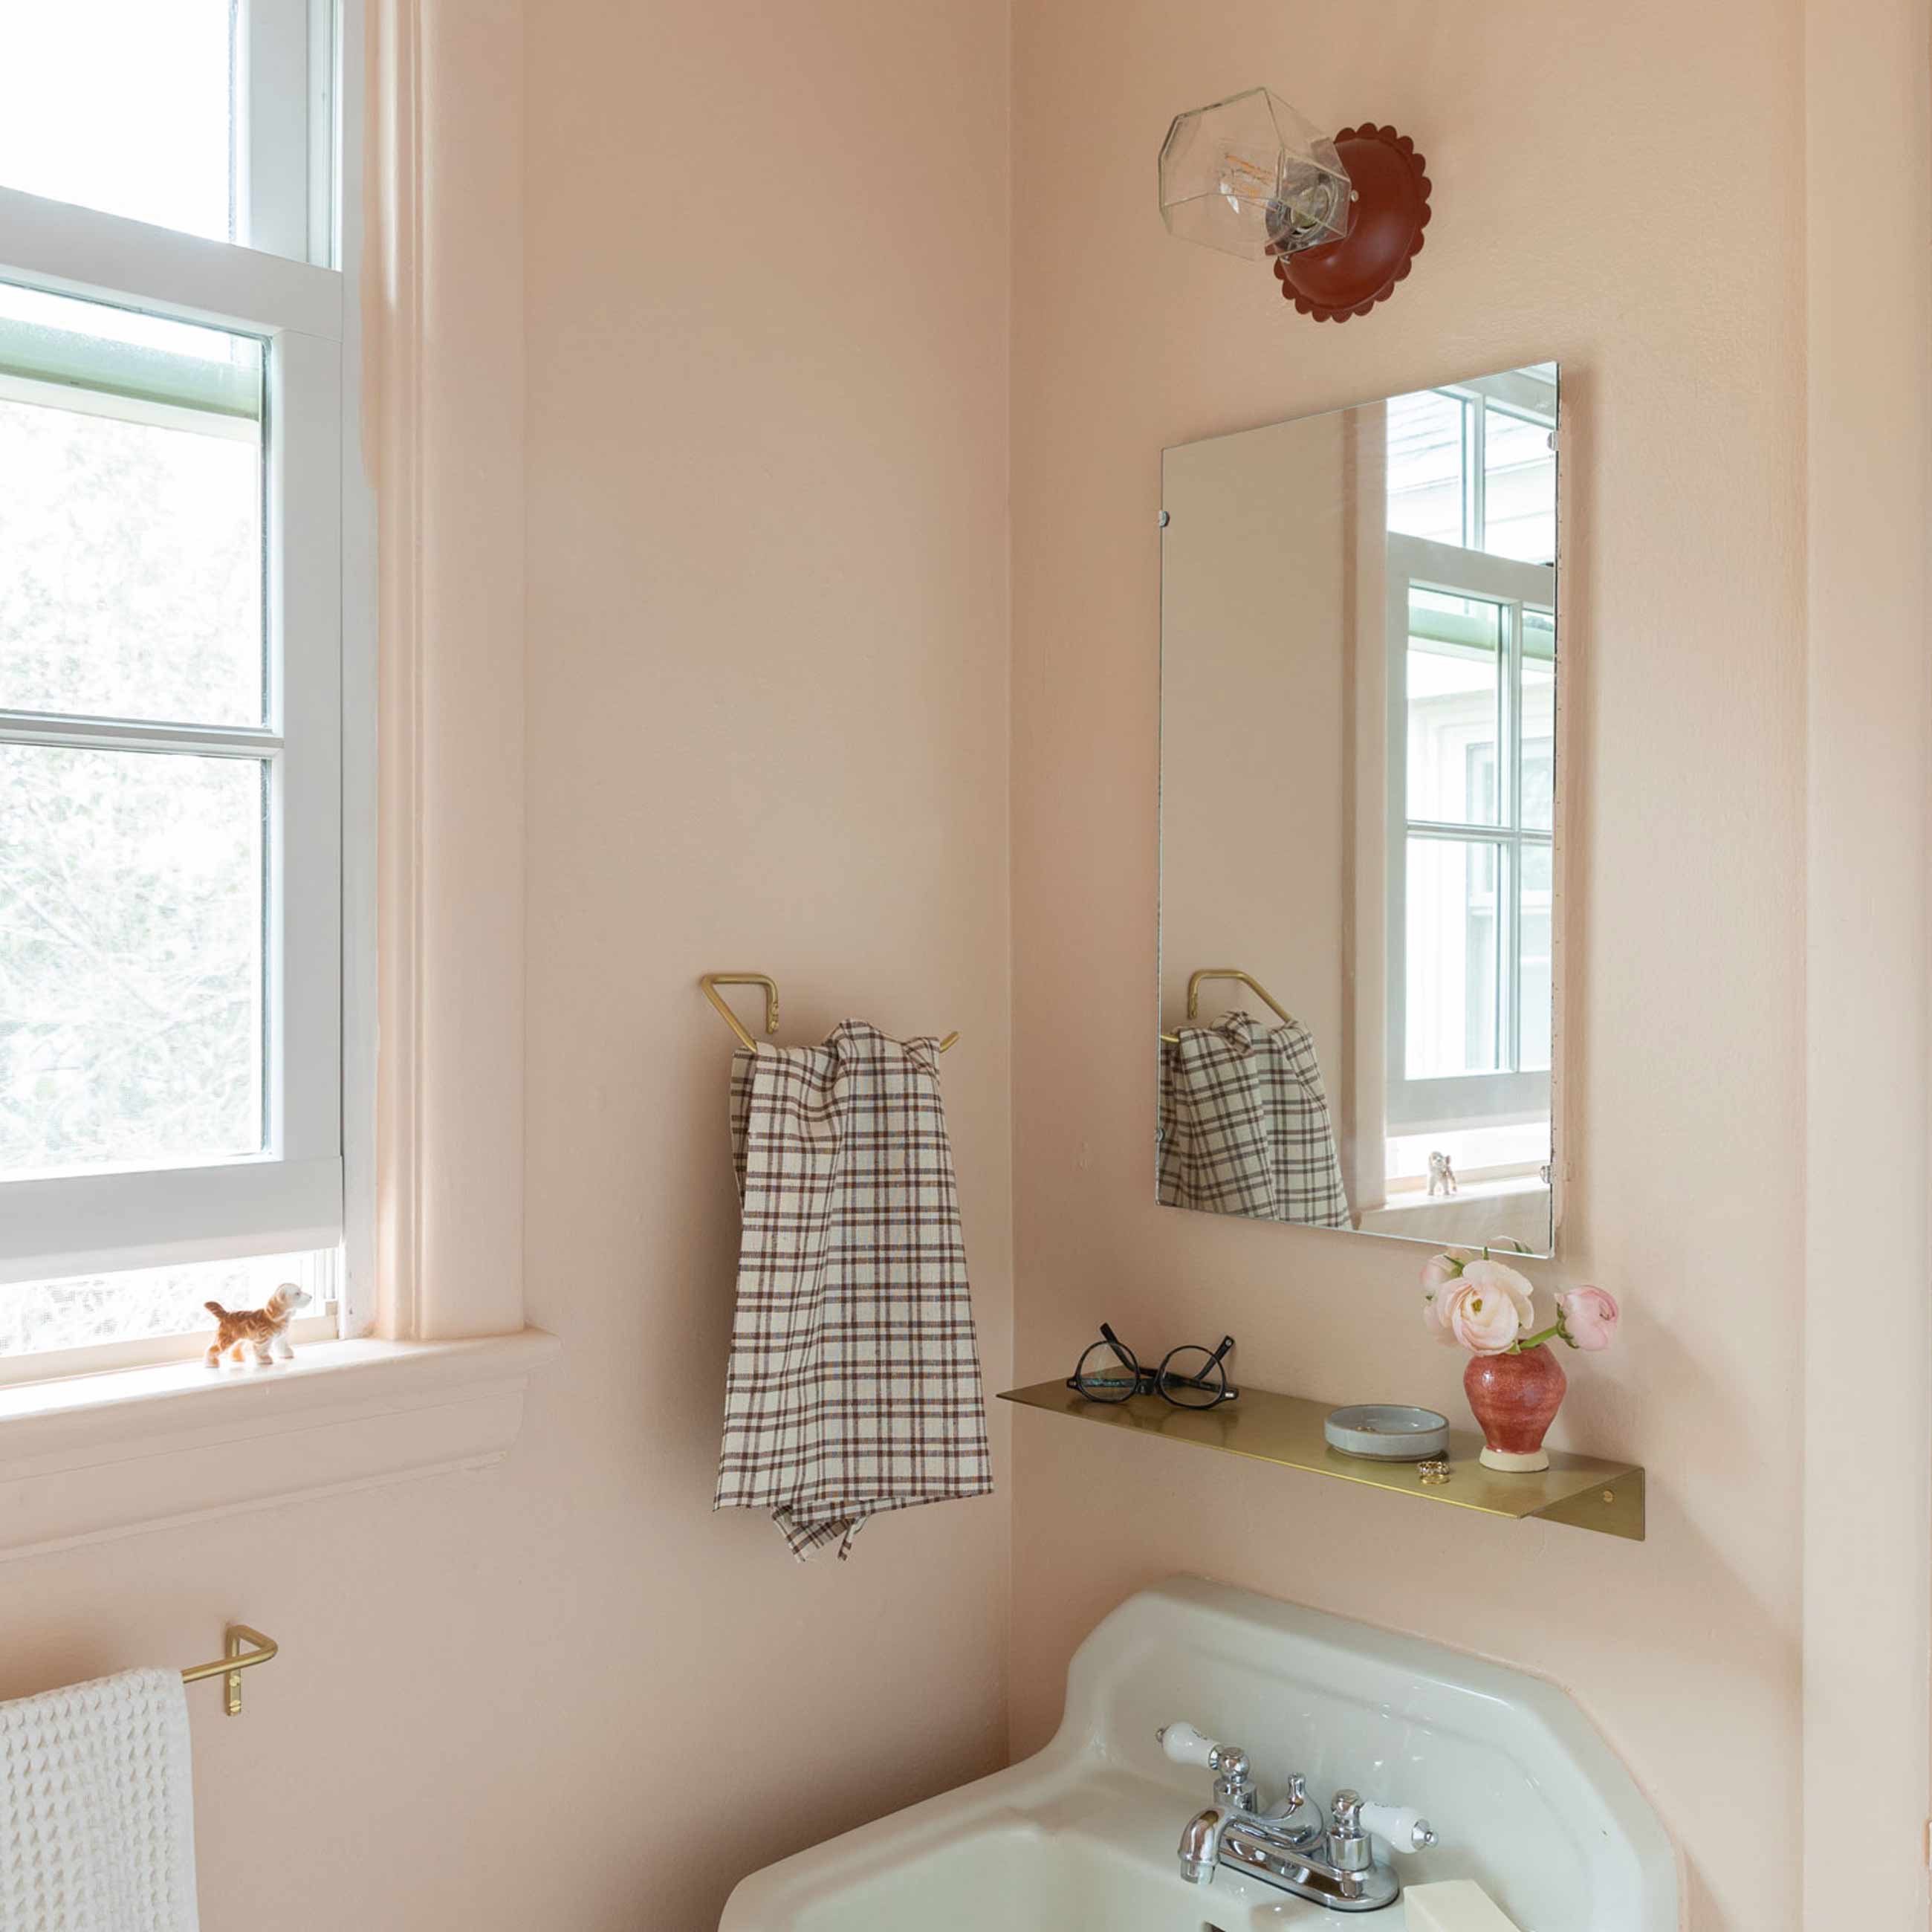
{"points": [[1474, 465], [1427, 494], [1471, 491]]}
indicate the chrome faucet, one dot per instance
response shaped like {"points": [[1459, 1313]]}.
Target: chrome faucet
{"points": [[1330, 1862]]}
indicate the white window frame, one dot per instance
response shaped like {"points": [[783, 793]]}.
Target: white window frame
{"points": [[297, 195], [1442, 1104], [285, 163]]}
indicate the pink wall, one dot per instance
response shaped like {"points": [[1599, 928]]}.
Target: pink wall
{"points": [[767, 363], [767, 727], [1557, 141], [1867, 1383]]}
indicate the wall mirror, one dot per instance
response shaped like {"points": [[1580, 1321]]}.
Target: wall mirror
{"points": [[1359, 821]]}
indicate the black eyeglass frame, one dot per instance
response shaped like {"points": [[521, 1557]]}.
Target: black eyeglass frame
{"points": [[1155, 1381]]}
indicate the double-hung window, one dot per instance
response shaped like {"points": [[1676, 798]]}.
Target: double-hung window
{"points": [[1471, 625], [171, 579]]}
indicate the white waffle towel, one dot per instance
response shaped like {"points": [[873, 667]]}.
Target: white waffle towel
{"points": [[97, 1810]]}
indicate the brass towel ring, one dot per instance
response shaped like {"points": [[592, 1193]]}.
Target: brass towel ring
{"points": [[711, 982], [1247, 979]]}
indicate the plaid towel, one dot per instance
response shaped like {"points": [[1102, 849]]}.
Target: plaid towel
{"points": [[1244, 1127], [854, 1383]]}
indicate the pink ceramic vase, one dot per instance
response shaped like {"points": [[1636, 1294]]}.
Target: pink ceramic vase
{"points": [[1515, 1399]]}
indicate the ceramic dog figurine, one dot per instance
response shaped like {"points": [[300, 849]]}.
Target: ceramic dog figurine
{"points": [[1442, 1173], [264, 1329]]}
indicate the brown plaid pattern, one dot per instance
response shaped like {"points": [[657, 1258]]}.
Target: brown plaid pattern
{"points": [[854, 1383], [1244, 1125]]}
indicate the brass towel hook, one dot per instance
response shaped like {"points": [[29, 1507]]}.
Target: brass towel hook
{"points": [[711, 982], [1247, 979]]}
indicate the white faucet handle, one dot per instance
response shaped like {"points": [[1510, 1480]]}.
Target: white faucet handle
{"points": [[1401, 1826], [1186, 1745]]}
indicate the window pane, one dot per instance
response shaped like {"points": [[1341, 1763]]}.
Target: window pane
{"points": [[1455, 655], [1539, 732], [131, 526], [1450, 977], [1534, 949], [130, 958], [123, 105], [86, 1311], [1519, 488], [1426, 480]]}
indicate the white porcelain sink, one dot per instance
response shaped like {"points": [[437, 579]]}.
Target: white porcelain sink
{"points": [[1526, 1797]]}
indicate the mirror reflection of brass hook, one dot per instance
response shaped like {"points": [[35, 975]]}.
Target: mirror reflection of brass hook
{"points": [[711, 982], [1247, 979]]}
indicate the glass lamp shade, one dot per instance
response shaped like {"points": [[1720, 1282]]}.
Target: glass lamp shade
{"points": [[1251, 176]]}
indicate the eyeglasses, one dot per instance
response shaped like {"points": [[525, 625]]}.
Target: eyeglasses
{"points": [[1189, 1377]]}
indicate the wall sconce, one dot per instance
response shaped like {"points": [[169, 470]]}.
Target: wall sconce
{"points": [[1341, 218]]}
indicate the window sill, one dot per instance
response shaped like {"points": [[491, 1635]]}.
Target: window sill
{"points": [[1401, 1200], [95, 1456]]}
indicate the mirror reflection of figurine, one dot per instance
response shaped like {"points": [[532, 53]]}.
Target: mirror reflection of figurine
{"points": [[1441, 1174]]}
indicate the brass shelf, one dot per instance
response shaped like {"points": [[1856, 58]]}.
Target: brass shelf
{"points": [[1286, 1429]]}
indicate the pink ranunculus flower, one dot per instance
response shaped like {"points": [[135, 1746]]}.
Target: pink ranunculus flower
{"points": [[1590, 1315], [1488, 1308], [1438, 1276]]}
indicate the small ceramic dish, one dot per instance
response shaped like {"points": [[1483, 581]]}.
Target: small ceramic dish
{"points": [[1387, 1431]]}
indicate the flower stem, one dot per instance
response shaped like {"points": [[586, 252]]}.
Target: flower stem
{"points": [[1558, 1330]]}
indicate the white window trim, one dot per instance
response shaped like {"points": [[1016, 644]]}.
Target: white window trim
{"points": [[337, 122], [432, 1141], [447, 358]]}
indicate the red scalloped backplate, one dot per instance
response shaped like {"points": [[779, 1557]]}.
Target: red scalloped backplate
{"points": [[1340, 279]]}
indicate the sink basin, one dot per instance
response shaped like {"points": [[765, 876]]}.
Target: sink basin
{"points": [[1020, 1877], [1020, 1871], [1526, 1796]]}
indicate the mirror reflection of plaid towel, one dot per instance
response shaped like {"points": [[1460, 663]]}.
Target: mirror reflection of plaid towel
{"points": [[854, 1382], [1244, 1125]]}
